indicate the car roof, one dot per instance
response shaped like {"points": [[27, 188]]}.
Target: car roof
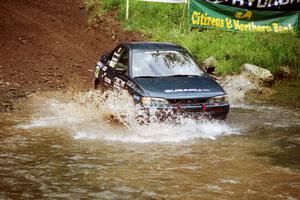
{"points": [[153, 46]]}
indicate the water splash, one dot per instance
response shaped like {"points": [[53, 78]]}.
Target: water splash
{"points": [[113, 117], [156, 132]]}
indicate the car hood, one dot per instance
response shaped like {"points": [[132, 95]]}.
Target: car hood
{"points": [[180, 87]]}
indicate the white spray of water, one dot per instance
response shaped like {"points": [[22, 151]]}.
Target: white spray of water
{"points": [[113, 117]]}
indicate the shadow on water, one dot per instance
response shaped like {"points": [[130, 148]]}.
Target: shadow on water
{"points": [[285, 93], [283, 146]]}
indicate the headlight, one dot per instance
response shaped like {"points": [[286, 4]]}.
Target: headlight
{"points": [[219, 99], [153, 101]]}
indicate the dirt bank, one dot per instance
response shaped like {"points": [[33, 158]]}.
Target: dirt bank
{"points": [[47, 45]]}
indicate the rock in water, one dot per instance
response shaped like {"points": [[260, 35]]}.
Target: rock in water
{"points": [[284, 72], [250, 79], [257, 72], [237, 86]]}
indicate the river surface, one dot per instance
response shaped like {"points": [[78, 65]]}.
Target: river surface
{"points": [[66, 146]]}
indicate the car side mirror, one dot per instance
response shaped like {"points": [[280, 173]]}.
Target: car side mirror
{"points": [[210, 70]]}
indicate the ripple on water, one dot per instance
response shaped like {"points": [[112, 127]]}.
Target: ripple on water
{"points": [[61, 160]]}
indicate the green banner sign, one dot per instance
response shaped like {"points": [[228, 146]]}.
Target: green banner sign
{"points": [[204, 14]]}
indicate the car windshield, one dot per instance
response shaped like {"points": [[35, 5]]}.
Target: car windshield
{"points": [[163, 63]]}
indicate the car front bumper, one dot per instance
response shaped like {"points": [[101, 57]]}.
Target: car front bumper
{"points": [[207, 111]]}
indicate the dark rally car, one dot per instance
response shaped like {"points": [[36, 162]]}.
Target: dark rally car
{"points": [[164, 76]]}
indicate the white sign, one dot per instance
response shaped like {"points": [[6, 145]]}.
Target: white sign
{"points": [[167, 1]]}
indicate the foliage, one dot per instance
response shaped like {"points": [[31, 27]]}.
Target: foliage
{"points": [[168, 22]]}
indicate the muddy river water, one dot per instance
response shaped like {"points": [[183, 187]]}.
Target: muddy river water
{"points": [[65, 146]]}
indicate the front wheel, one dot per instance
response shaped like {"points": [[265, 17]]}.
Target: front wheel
{"points": [[96, 83], [99, 85]]}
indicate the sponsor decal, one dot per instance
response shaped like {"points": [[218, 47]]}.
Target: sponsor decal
{"points": [[119, 82], [112, 64], [107, 80], [133, 86], [117, 55], [97, 71], [117, 86], [123, 83], [101, 66], [186, 90], [114, 59]]}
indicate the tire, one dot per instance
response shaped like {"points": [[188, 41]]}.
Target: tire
{"points": [[96, 83]]}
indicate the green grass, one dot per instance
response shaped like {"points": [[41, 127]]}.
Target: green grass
{"points": [[168, 22]]}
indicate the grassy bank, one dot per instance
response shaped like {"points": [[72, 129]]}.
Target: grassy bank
{"points": [[168, 22]]}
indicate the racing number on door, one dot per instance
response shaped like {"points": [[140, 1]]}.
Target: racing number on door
{"points": [[121, 70]]}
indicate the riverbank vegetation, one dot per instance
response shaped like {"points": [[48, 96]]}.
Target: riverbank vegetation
{"points": [[168, 22]]}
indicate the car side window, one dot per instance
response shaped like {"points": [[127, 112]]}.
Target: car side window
{"points": [[123, 61], [115, 57]]}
